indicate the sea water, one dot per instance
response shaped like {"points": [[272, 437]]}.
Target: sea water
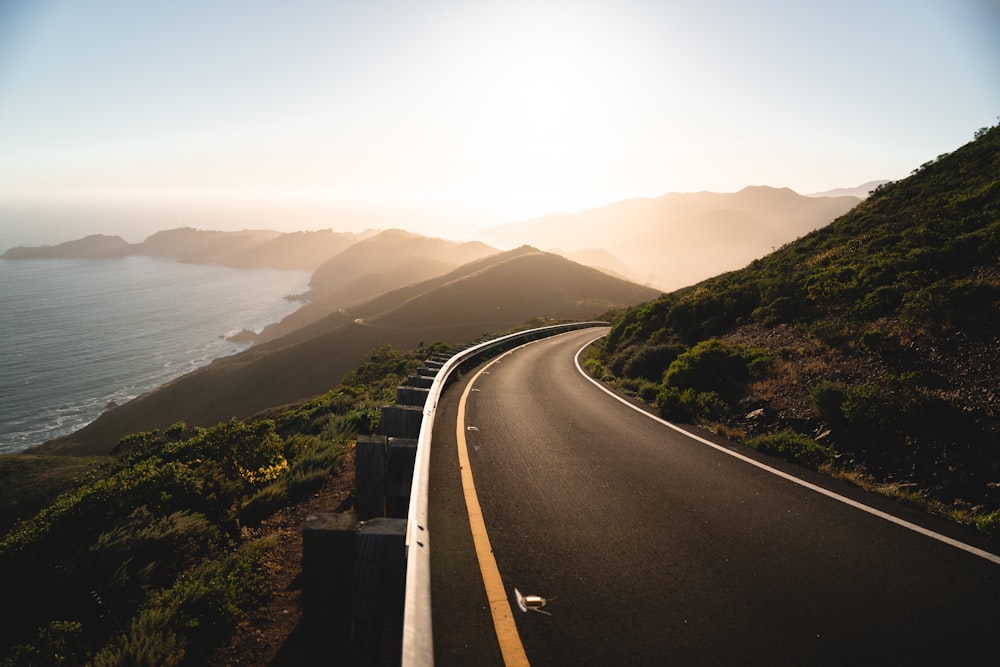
{"points": [[80, 336]]}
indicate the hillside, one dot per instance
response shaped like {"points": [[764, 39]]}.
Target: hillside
{"points": [[491, 294], [679, 238], [381, 263], [869, 348]]}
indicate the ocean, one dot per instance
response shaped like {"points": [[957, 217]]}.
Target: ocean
{"points": [[78, 336]]}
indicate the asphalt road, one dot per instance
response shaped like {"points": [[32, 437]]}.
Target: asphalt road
{"points": [[652, 548]]}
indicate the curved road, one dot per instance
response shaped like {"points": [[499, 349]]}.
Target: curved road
{"points": [[652, 548]]}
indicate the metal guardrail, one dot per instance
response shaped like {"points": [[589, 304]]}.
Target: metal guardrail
{"points": [[418, 641]]}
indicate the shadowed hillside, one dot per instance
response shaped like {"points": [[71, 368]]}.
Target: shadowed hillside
{"points": [[870, 348], [387, 261], [679, 239], [495, 293]]}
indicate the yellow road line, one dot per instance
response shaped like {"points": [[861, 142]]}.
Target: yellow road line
{"points": [[503, 617]]}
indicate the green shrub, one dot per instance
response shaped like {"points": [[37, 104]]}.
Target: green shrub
{"points": [[201, 608], [263, 503], [828, 400], [650, 362], [711, 406], [989, 523], [597, 370], [676, 404], [642, 389], [689, 405], [793, 446], [706, 365], [712, 365], [57, 644]]}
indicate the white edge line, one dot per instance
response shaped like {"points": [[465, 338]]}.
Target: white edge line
{"points": [[993, 558]]}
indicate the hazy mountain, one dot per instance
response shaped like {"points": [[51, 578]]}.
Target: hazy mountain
{"points": [[680, 238], [860, 191], [96, 246], [382, 258], [386, 261], [249, 248], [876, 339], [491, 294], [303, 251]]}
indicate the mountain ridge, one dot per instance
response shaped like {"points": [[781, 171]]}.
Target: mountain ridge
{"points": [[869, 348], [677, 239], [311, 359]]}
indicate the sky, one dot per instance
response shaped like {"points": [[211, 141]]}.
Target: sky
{"points": [[444, 116]]}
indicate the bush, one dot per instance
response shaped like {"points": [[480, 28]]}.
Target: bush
{"points": [[828, 400], [794, 447], [676, 404], [689, 405], [650, 362], [195, 612], [712, 365]]}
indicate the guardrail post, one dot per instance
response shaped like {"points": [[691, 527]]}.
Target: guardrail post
{"points": [[379, 590], [402, 421], [401, 455], [369, 476], [419, 381], [328, 555], [407, 395]]}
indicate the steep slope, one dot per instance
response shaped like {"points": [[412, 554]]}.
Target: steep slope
{"points": [[871, 345], [681, 238], [384, 262], [492, 294]]}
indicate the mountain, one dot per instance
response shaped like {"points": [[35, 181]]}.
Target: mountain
{"points": [[302, 251], [96, 246], [490, 294], [386, 261], [680, 238], [860, 191], [869, 347]]}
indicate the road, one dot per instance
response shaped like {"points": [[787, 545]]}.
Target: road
{"points": [[652, 548]]}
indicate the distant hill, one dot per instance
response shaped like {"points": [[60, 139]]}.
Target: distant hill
{"points": [[303, 251], [680, 238], [870, 346], [860, 191], [96, 246], [381, 263], [490, 294]]}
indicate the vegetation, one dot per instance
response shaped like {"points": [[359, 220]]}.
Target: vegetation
{"points": [[145, 559], [868, 348]]}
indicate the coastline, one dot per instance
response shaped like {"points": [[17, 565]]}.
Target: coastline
{"points": [[93, 335]]}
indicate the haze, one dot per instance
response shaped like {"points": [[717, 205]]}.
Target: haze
{"points": [[445, 117]]}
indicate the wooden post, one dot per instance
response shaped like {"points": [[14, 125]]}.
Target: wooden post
{"points": [[328, 560], [412, 395], [369, 476], [379, 588], [419, 381], [401, 421], [401, 456]]}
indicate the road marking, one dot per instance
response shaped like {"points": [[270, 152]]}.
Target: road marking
{"points": [[503, 618], [993, 558]]}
